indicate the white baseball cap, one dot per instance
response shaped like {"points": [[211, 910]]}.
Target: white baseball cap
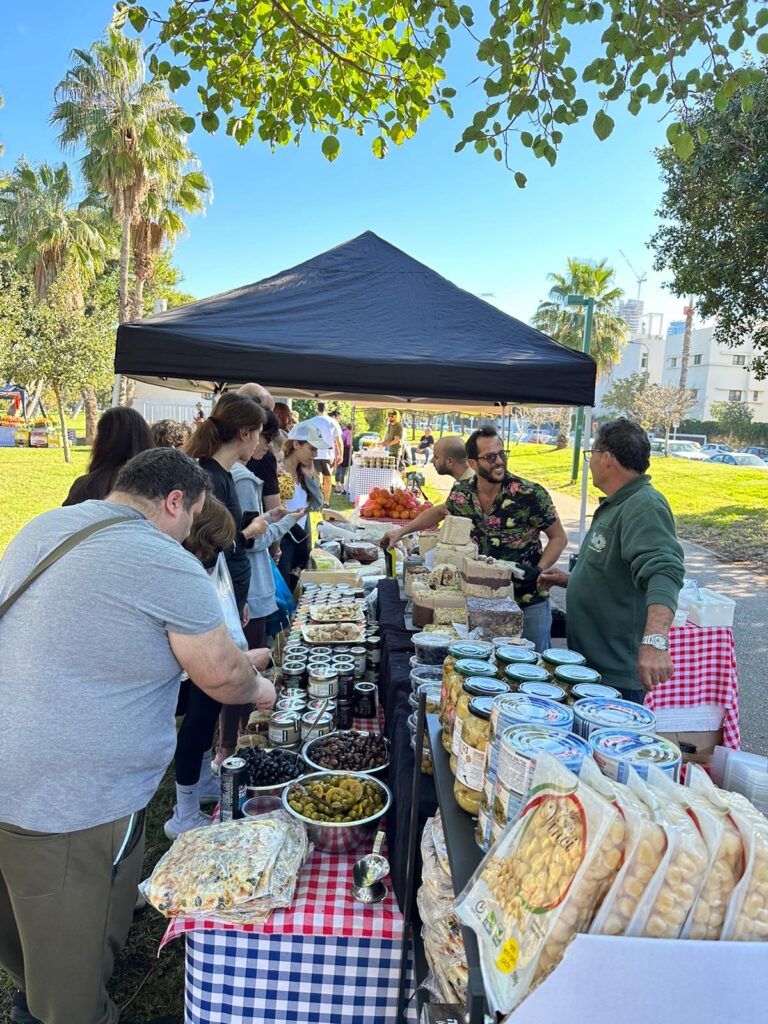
{"points": [[308, 432]]}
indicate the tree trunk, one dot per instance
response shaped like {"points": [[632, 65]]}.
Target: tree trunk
{"points": [[125, 253], [91, 414], [62, 424], [35, 400], [686, 353], [137, 307]]}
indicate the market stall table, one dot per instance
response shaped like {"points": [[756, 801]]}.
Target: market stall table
{"points": [[705, 684], [326, 959], [361, 481]]}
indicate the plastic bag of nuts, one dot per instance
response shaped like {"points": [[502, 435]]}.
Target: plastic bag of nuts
{"points": [[746, 919], [645, 846], [668, 898], [706, 918], [541, 882]]}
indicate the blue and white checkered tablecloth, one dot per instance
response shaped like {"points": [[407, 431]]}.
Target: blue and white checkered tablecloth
{"points": [[233, 977]]}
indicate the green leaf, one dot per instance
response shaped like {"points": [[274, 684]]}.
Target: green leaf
{"points": [[497, 155], [527, 139], [580, 107], [138, 18], [703, 134], [330, 147], [762, 43], [520, 179], [379, 147], [187, 124], [602, 125], [684, 145], [761, 18], [209, 121], [747, 102], [448, 93]]}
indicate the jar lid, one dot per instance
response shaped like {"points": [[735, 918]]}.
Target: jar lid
{"points": [[481, 707], [483, 686], [548, 690], [530, 740], [322, 672], [562, 656], [516, 655], [581, 690], [615, 714], [526, 673], [470, 649], [577, 674], [432, 640], [476, 667], [519, 708]]}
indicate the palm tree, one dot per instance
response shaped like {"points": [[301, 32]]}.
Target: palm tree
{"points": [[565, 323], [161, 220], [131, 130]]}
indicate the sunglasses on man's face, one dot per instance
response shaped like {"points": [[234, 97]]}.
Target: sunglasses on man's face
{"points": [[493, 457]]}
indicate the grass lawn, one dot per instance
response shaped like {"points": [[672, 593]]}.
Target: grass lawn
{"points": [[719, 506]]}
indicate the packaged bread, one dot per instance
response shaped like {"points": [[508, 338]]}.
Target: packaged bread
{"points": [[541, 882], [664, 906], [746, 919], [726, 865], [644, 847]]}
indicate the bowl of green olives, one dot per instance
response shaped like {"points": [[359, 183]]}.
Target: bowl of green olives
{"points": [[340, 810]]}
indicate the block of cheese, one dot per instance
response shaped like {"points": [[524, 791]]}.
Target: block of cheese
{"points": [[497, 616], [486, 577], [445, 576], [427, 541], [456, 530], [415, 574], [431, 606], [454, 554]]}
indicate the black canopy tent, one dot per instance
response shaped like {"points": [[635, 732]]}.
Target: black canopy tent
{"points": [[362, 320]]}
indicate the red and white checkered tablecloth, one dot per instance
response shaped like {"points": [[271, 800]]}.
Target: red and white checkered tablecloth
{"points": [[322, 906], [705, 674]]}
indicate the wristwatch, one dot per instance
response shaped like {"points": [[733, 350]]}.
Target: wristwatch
{"points": [[657, 640]]}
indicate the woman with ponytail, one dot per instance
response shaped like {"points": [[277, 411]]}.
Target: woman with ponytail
{"points": [[229, 435], [299, 453]]}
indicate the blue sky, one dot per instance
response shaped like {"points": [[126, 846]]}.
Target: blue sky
{"points": [[460, 213]]}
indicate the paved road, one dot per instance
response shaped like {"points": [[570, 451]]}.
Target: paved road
{"points": [[748, 587]]}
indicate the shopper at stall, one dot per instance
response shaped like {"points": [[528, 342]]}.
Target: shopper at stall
{"points": [[346, 458], [300, 451], [393, 438], [171, 433], [622, 593], [450, 459], [259, 394], [508, 516], [329, 452], [125, 609], [121, 433]]}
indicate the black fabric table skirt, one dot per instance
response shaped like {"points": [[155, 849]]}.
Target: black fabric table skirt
{"points": [[394, 689]]}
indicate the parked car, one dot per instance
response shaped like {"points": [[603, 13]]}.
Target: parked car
{"points": [[716, 449], [743, 460], [680, 450], [760, 452]]}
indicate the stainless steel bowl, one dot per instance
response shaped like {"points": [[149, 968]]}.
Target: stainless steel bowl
{"points": [[340, 836], [277, 788], [312, 765]]}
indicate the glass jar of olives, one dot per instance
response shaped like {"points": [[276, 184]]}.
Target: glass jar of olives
{"points": [[470, 770], [462, 670], [479, 650], [475, 686]]}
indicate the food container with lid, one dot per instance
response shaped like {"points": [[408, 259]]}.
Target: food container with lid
{"points": [[295, 693], [594, 713], [520, 709], [474, 686], [316, 723], [360, 656], [470, 767], [432, 693], [321, 650], [516, 675], [366, 700], [519, 747], [453, 681], [291, 704], [479, 650], [616, 749], [509, 655], [425, 674], [569, 676], [431, 648], [345, 714], [373, 645], [323, 682], [581, 690], [555, 657], [284, 729], [294, 674], [548, 690], [514, 641]]}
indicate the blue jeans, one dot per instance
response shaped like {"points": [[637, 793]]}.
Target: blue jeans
{"points": [[537, 623]]}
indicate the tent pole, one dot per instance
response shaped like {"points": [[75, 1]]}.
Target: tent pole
{"points": [[116, 390], [585, 476]]}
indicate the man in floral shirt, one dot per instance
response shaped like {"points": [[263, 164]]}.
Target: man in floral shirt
{"points": [[508, 516]]}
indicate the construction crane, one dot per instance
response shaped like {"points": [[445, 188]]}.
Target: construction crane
{"points": [[641, 279]]}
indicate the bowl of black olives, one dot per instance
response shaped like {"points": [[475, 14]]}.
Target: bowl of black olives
{"points": [[270, 771]]}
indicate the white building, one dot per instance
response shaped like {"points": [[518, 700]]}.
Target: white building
{"points": [[644, 353], [716, 373], [631, 310]]}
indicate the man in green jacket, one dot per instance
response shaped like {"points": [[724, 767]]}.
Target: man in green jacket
{"points": [[622, 593]]}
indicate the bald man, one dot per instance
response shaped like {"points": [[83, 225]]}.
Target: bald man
{"points": [[449, 459], [260, 394]]}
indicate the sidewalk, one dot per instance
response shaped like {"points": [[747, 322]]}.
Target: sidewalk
{"points": [[738, 581]]}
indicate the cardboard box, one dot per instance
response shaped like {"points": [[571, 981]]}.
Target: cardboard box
{"points": [[346, 576], [608, 980], [703, 744]]}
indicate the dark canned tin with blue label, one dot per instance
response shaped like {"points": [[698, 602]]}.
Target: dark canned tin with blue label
{"points": [[234, 778]]}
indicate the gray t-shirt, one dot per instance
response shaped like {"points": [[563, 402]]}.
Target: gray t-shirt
{"points": [[88, 680]]}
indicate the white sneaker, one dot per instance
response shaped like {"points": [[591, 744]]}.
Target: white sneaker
{"points": [[176, 825], [209, 787]]}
